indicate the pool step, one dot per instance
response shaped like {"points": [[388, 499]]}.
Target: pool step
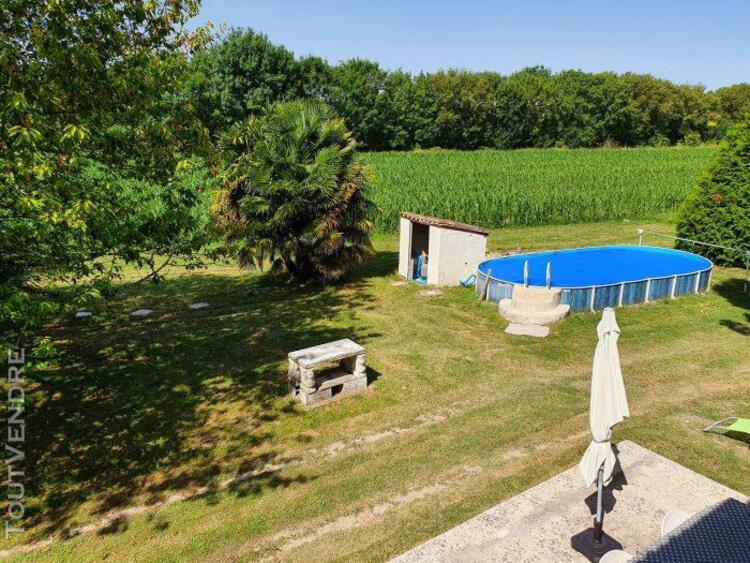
{"points": [[533, 306], [535, 298], [537, 331]]}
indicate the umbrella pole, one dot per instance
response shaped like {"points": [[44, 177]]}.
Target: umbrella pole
{"points": [[599, 516], [593, 543]]}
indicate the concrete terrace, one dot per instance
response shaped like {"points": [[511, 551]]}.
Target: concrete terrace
{"points": [[536, 525]]}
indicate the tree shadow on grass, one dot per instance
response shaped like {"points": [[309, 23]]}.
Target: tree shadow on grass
{"points": [[170, 402], [733, 290]]}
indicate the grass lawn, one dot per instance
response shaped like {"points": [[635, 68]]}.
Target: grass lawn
{"points": [[459, 415]]}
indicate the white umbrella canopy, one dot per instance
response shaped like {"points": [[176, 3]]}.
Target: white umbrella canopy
{"points": [[608, 405]]}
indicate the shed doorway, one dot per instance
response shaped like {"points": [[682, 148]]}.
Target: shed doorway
{"points": [[419, 253]]}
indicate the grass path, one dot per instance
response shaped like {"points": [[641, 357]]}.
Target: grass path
{"points": [[459, 416]]}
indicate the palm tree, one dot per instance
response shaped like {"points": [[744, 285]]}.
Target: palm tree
{"points": [[295, 192]]}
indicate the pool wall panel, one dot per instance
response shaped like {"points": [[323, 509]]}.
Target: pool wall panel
{"points": [[606, 296], [659, 288], [499, 291], [705, 280], [479, 285], [579, 299], [684, 285], [496, 290], [634, 292]]}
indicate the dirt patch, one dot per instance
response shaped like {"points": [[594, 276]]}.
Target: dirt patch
{"points": [[517, 453], [344, 523], [430, 293], [337, 448]]}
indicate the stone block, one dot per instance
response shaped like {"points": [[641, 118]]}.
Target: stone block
{"points": [[140, 313], [536, 331], [430, 293]]}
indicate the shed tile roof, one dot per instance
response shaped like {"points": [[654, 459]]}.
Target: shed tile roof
{"points": [[444, 223]]}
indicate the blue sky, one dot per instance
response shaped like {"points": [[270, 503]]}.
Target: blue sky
{"points": [[700, 42]]}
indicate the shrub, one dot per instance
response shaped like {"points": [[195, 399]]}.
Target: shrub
{"points": [[692, 139], [658, 140], [718, 210], [296, 192]]}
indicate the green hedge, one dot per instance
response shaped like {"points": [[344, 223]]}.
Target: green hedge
{"points": [[718, 209]]}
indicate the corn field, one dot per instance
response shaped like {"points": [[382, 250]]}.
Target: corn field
{"points": [[496, 189]]}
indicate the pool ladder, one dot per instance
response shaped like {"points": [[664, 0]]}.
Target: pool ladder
{"points": [[548, 277]]}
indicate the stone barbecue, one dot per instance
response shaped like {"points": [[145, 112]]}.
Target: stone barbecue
{"points": [[343, 371]]}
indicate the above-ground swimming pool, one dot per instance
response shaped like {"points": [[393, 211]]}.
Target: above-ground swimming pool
{"points": [[601, 276]]}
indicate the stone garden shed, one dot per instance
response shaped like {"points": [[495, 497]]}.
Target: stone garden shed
{"points": [[453, 249]]}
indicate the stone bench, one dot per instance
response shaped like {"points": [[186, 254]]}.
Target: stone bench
{"points": [[346, 377]]}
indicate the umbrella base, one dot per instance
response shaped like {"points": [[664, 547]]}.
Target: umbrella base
{"points": [[593, 550]]}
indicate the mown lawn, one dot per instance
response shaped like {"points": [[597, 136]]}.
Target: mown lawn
{"points": [[459, 415]]}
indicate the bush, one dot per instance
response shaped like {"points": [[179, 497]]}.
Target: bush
{"points": [[718, 210], [658, 140], [295, 193], [692, 139]]}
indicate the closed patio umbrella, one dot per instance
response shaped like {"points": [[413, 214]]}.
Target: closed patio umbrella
{"points": [[608, 406]]}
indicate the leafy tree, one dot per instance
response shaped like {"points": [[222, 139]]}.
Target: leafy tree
{"points": [[464, 102], [665, 112], [94, 122], [295, 192], [354, 96], [528, 111], [594, 109], [718, 210], [405, 114], [394, 105], [241, 75], [730, 104], [455, 109], [423, 115], [317, 77]]}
